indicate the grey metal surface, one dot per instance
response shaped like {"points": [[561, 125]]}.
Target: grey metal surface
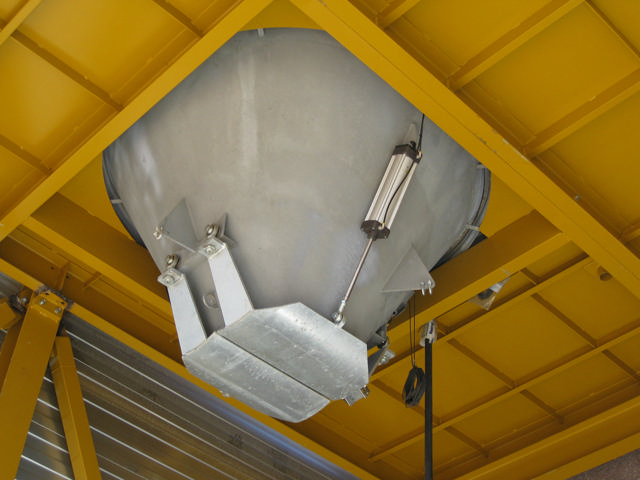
{"points": [[302, 344], [238, 373], [148, 423], [290, 134]]}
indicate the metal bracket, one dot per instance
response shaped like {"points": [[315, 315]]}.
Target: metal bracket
{"points": [[429, 333], [411, 274]]}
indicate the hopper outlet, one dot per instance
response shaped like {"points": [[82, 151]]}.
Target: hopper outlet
{"points": [[259, 185]]}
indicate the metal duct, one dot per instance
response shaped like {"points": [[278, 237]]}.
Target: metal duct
{"points": [[248, 185]]}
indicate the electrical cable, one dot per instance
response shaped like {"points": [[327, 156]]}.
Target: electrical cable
{"points": [[415, 385]]}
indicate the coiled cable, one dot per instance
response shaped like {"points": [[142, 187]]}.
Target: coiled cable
{"points": [[415, 385]]}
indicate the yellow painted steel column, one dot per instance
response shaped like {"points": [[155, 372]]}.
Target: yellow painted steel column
{"points": [[8, 346], [23, 379], [72, 411]]}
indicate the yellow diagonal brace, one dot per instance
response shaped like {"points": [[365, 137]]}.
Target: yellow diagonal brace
{"points": [[392, 63], [23, 379], [8, 346], [8, 317], [230, 22], [72, 411]]}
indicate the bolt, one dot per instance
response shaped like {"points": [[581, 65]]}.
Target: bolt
{"points": [[24, 300], [58, 311], [171, 260], [168, 279], [209, 250], [43, 301], [211, 230], [157, 233]]}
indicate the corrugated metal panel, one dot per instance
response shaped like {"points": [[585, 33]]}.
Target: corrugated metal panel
{"points": [[148, 423]]}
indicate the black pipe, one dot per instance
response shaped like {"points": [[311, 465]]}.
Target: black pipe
{"points": [[428, 411]]}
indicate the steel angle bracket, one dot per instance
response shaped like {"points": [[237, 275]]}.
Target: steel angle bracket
{"points": [[411, 274]]}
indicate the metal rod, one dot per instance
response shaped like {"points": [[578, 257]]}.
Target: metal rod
{"points": [[338, 317], [428, 411]]}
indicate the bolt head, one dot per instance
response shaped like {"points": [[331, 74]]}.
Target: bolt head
{"points": [[168, 279], [58, 311], [209, 250], [24, 300], [171, 260], [43, 301], [157, 233]]}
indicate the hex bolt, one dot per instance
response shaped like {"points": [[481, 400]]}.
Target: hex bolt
{"points": [[171, 260], [157, 233], [209, 250], [43, 301], [58, 311], [168, 279], [211, 230]]}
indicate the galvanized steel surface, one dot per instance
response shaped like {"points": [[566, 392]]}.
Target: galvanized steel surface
{"points": [[290, 135]]}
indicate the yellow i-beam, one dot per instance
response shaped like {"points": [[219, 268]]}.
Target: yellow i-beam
{"points": [[74, 416], [24, 356]]}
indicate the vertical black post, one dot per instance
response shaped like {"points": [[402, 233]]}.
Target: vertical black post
{"points": [[428, 411]]}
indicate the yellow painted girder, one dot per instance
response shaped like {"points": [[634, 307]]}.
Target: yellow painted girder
{"points": [[72, 411], [510, 41], [619, 421], [15, 21], [84, 237], [385, 57], [230, 22], [21, 386], [508, 251], [593, 459]]}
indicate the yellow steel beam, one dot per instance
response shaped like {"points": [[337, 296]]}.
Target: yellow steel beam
{"points": [[630, 331], [230, 22], [72, 411], [17, 19], [95, 244], [596, 106], [402, 358], [508, 251], [510, 41], [66, 69], [23, 379], [107, 327], [6, 351], [619, 418], [179, 16], [593, 459], [26, 157], [109, 301], [8, 316], [481, 139], [394, 11]]}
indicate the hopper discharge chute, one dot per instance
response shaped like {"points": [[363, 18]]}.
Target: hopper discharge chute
{"points": [[256, 186]]}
